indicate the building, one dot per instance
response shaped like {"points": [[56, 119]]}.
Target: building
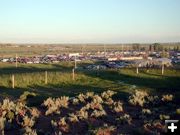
{"points": [[112, 59], [73, 54], [131, 58], [162, 61]]}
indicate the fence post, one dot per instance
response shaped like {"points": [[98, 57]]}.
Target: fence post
{"points": [[73, 74], [45, 77], [12, 81], [137, 70], [162, 71]]}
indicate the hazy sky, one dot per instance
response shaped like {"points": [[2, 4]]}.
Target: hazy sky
{"points": [[89, 21]]}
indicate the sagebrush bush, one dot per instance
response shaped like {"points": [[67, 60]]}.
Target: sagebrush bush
{"points": [[16, 112], [168, 97], [138, 98]]}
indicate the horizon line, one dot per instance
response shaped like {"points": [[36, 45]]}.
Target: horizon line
{"points": [[88, 43]]}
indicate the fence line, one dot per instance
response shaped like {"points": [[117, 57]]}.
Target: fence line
{"points": [[46, 75]]}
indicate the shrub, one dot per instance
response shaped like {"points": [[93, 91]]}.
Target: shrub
{"points": [[164, 117], [25, 95], [105, 130], [118, 107], [28, 131], [178, 111], [167, 97], [82, 114], [125, 119], [138, 98], [107, 94], [146, 111], [73, 118], [97, 113], [54, 104], [19, 114]]}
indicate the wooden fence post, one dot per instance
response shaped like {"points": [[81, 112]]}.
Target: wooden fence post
{"points": [[73, 74], [162, 71], [12, 81], [137, 70], [46, 77]]}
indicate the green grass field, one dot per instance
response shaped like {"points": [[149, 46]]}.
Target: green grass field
{"points": [[32, 78]]}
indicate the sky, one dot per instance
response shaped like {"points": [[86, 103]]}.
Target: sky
{"points": [[89, 21]]}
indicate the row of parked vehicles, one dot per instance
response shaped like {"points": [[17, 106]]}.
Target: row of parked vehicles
{"points": [[110, 65]]}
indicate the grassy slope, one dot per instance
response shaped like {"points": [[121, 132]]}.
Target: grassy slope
{"points": [[31, 78]]}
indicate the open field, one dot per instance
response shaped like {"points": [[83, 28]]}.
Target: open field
{"points": [[136, 104], [60, 82], [10, 50], [31, 50]]}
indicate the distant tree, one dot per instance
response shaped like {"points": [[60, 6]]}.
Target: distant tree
{"points": [[165, 49], [177, 48], [157, 47], [150, 48], [136, 46], [143, 48], [160, 48], [164, 53], [174, 48]]}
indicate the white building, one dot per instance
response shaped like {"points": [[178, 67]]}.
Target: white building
{"points": [[73, 54], [112, 59], [131, 58], [162, 61]]}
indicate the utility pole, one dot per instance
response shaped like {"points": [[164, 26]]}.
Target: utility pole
{"points": [[122, 49], [82, 49], [75, 66], [104, 50]]}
